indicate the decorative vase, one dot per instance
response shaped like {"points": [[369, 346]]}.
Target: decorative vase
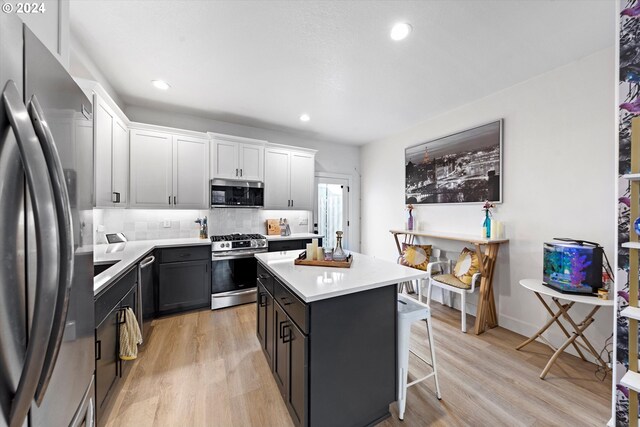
{"points": [[486, 225], [410, 221], [338, 252], [636, 226]]}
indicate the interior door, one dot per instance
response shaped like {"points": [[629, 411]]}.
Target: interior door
{"points": [[276, 179], [190, 172], [151, 169], [120, 163], [331, 210], [302, 167], [251, 162]]}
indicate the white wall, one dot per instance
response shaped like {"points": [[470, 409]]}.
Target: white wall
{"points": [[558, 167], [331, 157]]}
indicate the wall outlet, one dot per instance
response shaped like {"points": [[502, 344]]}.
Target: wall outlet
{"points": [[100, 228], [166, 223], [303, 221]]}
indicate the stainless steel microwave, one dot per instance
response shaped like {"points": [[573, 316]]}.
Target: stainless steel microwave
{"points": [[236, 194]]}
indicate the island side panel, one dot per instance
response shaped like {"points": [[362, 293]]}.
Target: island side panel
{"points": [[353, 358]]}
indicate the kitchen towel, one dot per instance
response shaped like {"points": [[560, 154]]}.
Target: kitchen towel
{"points": [[130, 335]]}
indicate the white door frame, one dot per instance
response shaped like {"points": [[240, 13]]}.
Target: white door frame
{"points": [[349, 180]]}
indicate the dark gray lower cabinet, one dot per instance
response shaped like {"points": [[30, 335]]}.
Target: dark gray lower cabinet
{"points": [[109, 305], [184, 278], [333, 360], [184, 285], [290, 244]]}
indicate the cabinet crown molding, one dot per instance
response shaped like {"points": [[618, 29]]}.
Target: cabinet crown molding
{"points": [[169, 130], [292, 148]]}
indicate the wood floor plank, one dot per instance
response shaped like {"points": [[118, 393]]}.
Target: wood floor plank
{"points": [[206, 368]]}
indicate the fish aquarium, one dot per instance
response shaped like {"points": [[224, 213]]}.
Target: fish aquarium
{"points": [[573, 267]]}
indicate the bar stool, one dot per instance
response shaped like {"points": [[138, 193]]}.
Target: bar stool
{"points": [[409, 311]]}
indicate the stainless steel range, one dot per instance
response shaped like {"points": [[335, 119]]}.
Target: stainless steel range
{"points": [[234, 268]]}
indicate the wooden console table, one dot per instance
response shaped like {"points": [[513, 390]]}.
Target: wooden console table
{"points": [[486, 315]]}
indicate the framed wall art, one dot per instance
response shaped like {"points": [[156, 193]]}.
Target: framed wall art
{"points": [[465, 167]]}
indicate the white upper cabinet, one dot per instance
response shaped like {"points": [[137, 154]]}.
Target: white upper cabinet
{"points": [[190, 183], [151, 169], [302, 176], [111, 156], [168, 170], [49, 21], [288, 178], [251, 158], [276, 179], [224, 160], [237, 158]]}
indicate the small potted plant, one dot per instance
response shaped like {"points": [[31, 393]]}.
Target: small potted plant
{"points": [[410, 220]]}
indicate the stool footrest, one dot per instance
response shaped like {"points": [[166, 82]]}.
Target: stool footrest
{"points": [[421, 379]]}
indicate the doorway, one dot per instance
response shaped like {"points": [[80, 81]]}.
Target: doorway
{"points": [[331, 210]]}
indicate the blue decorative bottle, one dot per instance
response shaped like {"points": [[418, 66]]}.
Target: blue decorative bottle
{"points": [[486, 225]]}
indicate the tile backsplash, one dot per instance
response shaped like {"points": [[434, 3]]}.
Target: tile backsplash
{"points": [[147, 224]]}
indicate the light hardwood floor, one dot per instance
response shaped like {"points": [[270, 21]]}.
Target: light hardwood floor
{"points": [[206, 369]]}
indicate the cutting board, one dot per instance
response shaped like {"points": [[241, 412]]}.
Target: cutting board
{"points": [[273, 227]]}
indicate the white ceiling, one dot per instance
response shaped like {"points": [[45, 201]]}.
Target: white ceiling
{"points": [[263, 63]]}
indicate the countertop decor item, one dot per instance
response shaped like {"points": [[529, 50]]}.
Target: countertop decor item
{"points": [[273, 227], [204, 227], [303, 260], [410, 220], [486, 225], [338, 253]]}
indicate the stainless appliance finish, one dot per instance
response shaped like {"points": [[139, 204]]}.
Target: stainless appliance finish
{"points": [[46, 277], [145, 294], [236, 194], [234, 268]]}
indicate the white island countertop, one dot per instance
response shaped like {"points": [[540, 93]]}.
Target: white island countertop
{"points": [[318, 283], [127, 254]]}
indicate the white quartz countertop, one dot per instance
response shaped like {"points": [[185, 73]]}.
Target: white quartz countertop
{"points": [[317, 283], [293, 236], [127, 254]]}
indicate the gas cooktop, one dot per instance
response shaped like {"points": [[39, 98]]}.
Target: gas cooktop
{"points": [[238, 242]]}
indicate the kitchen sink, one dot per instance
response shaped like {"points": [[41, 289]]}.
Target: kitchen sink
{"points": [[99, 268]]}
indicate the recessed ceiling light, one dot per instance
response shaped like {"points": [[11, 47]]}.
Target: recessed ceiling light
{"points": [[400, 31], [305, 118], [160, 84]]}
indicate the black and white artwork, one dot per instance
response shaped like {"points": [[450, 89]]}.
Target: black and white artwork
{"points": [[465, 167]]}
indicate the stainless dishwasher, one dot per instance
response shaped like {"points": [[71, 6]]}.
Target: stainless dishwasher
{"points": [[146, 295]]}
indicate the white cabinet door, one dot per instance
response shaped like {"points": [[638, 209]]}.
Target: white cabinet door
{"points": [[224, 160], [151, 169], [103, 129], [190, 168], [120, 164], [276, 179], [302, 176], [251, 162]]}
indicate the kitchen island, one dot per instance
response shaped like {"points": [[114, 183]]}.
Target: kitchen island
{"points": [[329, 336]]}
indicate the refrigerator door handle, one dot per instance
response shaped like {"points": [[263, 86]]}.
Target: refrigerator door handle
{"points": [[66, 245], [47, 239]]}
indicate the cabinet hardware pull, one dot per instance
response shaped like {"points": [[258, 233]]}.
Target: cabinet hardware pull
{"points": [[263, 276], [284, 299], [175, 200], [236, 172], [98, 349], [282, 323], [169, 199], [288, 337], [291, 202], [263, 299], [240, 172]]}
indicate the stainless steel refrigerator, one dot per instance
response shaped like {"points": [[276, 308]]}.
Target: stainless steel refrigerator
{"points": [[47, 353]]}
